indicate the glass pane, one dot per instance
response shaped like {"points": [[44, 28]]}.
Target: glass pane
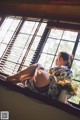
{"points": [[76, 69], [68, 35], [77, 55], [14, 24], [29, 27], [10, 68], [21, 57], [29, 58], [35, 43], [5, 33], [21, 40], [54, 60], [66, 46], [7, 23], [2, 34], [7, 37], [56, 33], [30, 55], [34, 28], [41, 30], [46, 60], [27, 62], [2, 48], [16, 55], [76, 99], [51, 46]]}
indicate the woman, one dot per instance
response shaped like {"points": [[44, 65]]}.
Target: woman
{"points": [[42, 79]]}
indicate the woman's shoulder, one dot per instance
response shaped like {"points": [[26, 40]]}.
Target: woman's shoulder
{"points": [[61, 71], [60, 68]]}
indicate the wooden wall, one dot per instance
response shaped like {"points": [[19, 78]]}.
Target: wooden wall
{"points": [[40, 9]]}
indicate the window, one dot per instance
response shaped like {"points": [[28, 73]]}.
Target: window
{"points": [[76, 70], [35, 43], [7, 32], [62, 40], [18, 42], [56, 42], [24, 41]]}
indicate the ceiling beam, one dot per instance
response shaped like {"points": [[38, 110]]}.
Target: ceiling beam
{"points": [[61, 12]]}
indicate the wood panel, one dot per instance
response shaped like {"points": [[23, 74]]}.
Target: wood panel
{"points": [[42, 10]]}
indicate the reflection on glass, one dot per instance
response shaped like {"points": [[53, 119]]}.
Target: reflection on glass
{"points": [[68, 35]]}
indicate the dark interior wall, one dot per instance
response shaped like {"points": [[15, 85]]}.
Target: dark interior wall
{"points": [[42, 10], [67, 2]]}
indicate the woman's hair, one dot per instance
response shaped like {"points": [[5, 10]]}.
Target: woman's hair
{"points": [[66, 57]]}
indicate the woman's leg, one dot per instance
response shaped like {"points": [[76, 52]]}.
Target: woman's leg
{"points": [[25, 74], [41, 78]]}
